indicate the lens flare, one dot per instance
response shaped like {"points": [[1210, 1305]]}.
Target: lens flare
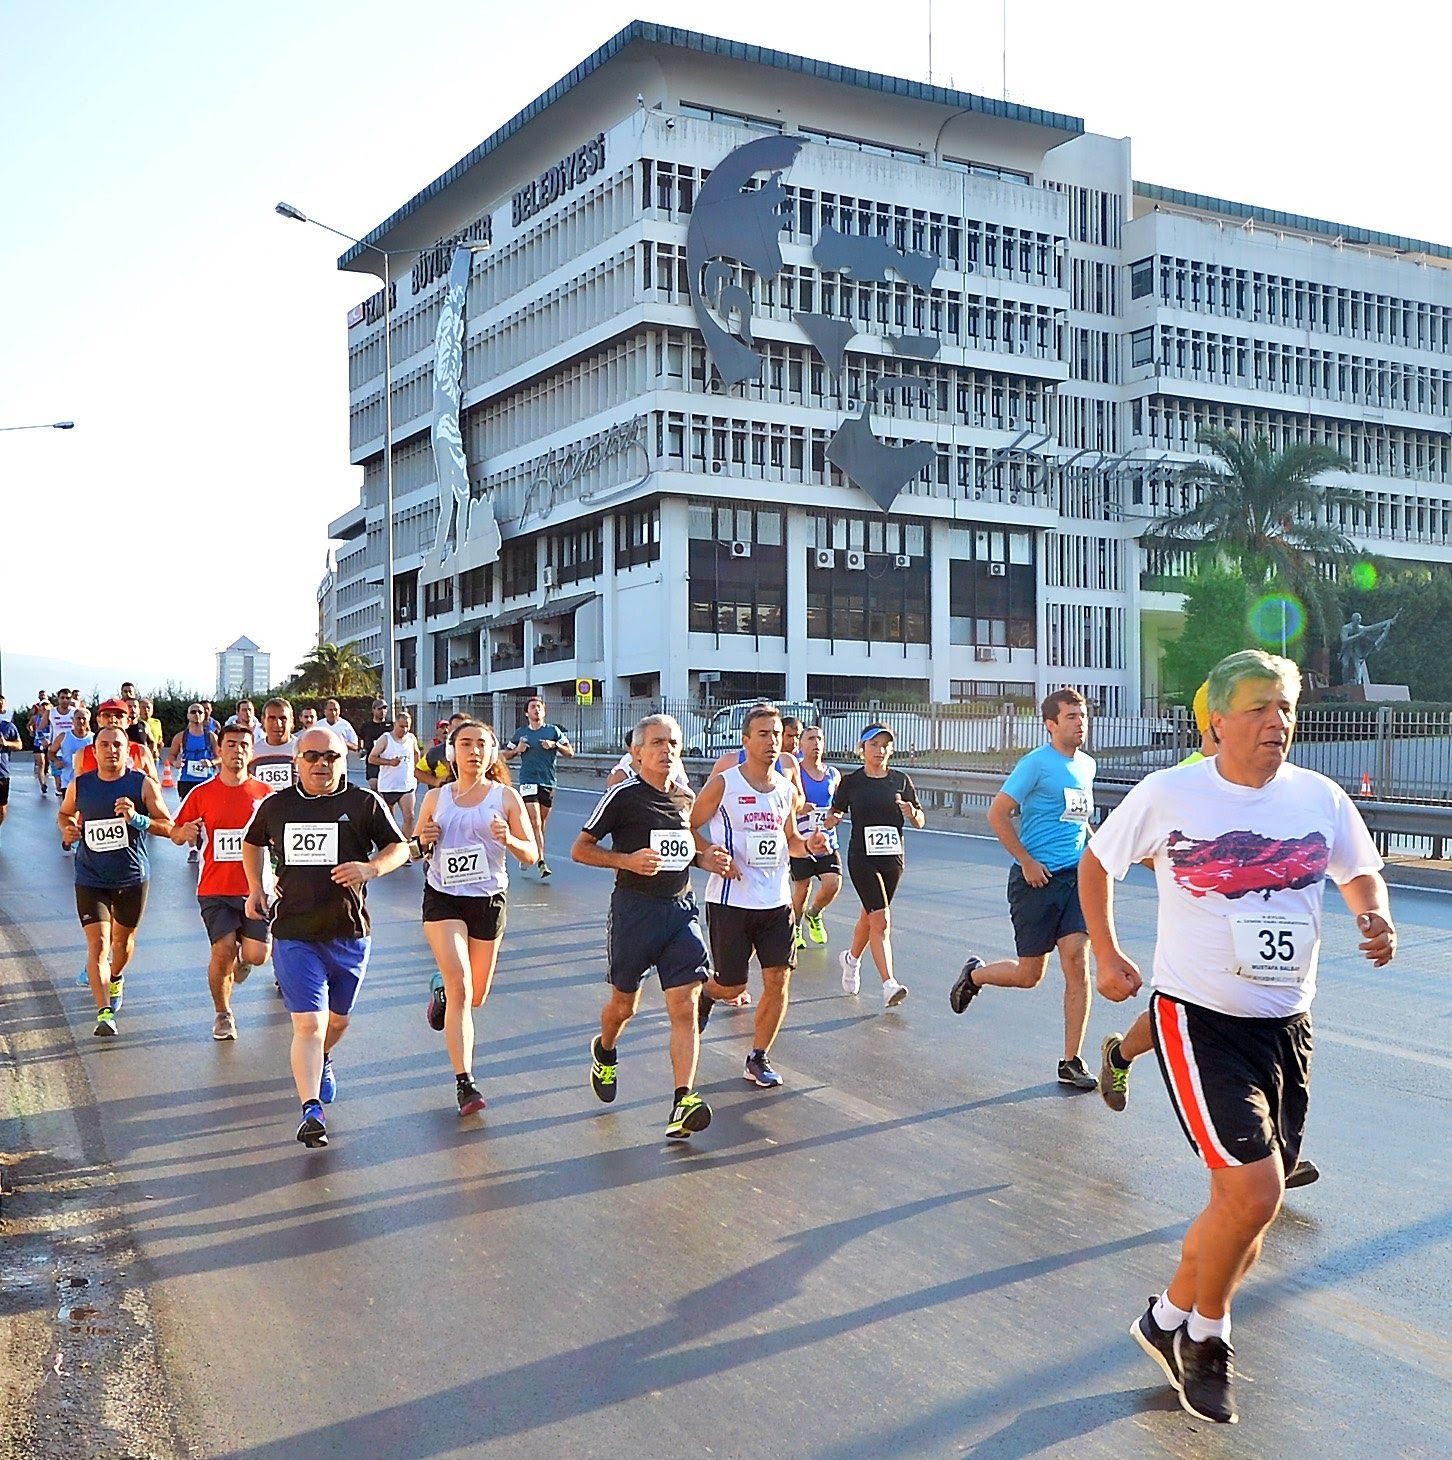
{"points": [[1364, 575], [1276, 619]]}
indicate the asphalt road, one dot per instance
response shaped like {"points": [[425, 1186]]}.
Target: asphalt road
{"points": [[921, 1245]]}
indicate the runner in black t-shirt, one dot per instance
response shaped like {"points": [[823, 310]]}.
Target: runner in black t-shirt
{"points": [[369, 733], [328, 839], [654, 920], [879, 801]]}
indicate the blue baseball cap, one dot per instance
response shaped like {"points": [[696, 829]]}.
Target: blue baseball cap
{"points": [[872, 730]]}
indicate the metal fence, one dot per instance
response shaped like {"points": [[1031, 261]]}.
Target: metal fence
{"points": [[1402, 754]]}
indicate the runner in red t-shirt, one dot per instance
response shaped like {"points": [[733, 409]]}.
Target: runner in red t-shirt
{"points": [[139, 758], [213, 816]]}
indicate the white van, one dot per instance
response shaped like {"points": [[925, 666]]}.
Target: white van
{"points": [[722, 731]]}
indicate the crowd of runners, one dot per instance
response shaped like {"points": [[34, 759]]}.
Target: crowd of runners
{"points": [[1240, 841]]}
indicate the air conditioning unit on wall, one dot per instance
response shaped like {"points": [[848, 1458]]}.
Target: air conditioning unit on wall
{"points": [[986, 655], [740, 549], [902, 560], [825, 557], [856, 561], [549, 577], [997, 570]]}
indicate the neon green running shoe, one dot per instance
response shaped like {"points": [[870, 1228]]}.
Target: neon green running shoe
{"points": [[602, 1075], [689, 1114], [799, 939], [1113, 1081], [816, 929]]}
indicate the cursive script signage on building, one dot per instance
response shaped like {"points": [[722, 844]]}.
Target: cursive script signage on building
{"points": [[561, 469], [554, 182]]}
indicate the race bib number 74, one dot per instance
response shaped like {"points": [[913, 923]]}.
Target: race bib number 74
{"points": [[311, 844]]}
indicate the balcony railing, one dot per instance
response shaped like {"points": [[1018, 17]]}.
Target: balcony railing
{"points": [[551, 653], [503, 659]]}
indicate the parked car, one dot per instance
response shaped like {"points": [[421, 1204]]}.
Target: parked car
{"points": [[722, 730]]}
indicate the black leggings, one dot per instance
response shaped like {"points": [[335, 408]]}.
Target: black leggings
{"points": [[875, 879]]}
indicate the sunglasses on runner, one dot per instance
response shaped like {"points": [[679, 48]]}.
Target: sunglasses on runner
{"points": [[314, 756]]}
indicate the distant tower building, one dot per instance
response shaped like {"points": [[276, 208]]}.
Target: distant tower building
{"points": [[243, 668]]}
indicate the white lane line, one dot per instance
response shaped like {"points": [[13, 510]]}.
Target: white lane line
{"points": [[1381, 1046]]}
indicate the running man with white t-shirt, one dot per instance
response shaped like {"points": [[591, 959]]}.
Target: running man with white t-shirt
{"points": [[1242, 846], [750, 810], [466, 826], [393, 758]]}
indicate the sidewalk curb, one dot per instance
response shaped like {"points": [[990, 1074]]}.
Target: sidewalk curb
{"points": [[82, 1370]]}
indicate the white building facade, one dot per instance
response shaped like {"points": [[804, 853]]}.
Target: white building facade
{"points": [[908, 454], [243, 668]]}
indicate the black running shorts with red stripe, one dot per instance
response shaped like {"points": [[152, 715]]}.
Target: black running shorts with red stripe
{"points": [[1239, 1086]]}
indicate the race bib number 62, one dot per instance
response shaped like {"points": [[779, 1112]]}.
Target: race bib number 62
{"points": [[311, 844]]}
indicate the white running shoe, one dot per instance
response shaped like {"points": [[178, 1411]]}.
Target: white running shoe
{"points": [[851, 973], [893, 993]]}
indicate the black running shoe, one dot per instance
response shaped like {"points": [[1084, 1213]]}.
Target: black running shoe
{"points": [[1157, 1342], [1075, 1074], [964, 991], [1303, 1173], [313, 1132], [471, 1101], [435, 1014], [1207, 1377], [703, 1012], [602, 1076]]}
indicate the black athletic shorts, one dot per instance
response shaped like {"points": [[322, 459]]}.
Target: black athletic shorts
{"points": [[545, 795], [1240, 1086], [829, 864], [737, 932], [4, 790], [663, 933], [392, 798], [483, 918], [1043, 915], [223, 916], [123, 905], [874, 879]]}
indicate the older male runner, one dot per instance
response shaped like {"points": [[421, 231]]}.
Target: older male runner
{"points": [[329, 839], [1242, 845]]}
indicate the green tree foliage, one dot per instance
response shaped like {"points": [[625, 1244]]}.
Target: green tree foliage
{"points": [[1416, 652], [1256, 509], [1217, 603], [334, 669]]}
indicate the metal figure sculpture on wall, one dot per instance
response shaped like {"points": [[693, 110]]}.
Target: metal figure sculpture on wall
{"points": [[733, 224], [460, 520]]}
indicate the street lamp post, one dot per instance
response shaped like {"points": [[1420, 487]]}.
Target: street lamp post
{"points": [[287, 210]]}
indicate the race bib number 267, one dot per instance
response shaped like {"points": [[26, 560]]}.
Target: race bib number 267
{"points": [[311, 844]]}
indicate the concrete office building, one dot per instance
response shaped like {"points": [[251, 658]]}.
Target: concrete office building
{"points": [[902, 445], [243, 668]]}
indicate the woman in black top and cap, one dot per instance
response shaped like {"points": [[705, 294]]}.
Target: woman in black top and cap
{"points": [[879, 801]]}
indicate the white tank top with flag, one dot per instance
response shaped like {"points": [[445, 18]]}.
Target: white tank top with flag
{"points": [[752, 825]]}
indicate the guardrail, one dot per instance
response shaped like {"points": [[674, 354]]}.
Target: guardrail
{"points": [[962, 791]]}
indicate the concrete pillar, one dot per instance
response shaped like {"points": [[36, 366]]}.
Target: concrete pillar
{"points": [[939, 611], [675, 604], [798, 538]]}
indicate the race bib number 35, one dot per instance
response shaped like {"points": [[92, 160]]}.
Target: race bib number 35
{"points": [[676, 849], [459, 866], [1271, 948], [763, 849], [882, 841], [311, 844], [227, 846], [107, 835]]}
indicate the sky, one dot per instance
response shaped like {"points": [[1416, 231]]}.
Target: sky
{"points": [[199, 341]]}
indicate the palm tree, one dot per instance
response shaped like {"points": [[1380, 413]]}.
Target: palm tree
{"points": [[335, 669], [1257, 508]]}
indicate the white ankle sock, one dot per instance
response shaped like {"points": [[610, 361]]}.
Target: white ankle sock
{"points": [[1200, 1328], [1166, 1315]]}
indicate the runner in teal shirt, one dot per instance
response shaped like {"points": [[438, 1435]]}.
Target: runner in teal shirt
{"points": [[540, 744]]}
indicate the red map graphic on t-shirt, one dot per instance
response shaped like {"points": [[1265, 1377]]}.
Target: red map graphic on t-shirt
{"points": [[1240, 862]]}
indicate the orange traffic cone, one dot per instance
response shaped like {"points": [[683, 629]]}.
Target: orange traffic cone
{"points": [[1365, 784], [168, 779]]}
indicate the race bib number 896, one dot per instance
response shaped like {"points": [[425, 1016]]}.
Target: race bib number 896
{"points": [[676, 849]]}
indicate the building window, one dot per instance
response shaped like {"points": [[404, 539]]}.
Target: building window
{"points": [[439, 597], [637, 536], [476, 587], [738, 570], [1142, 347], [519, 566], [575, 553], [1141, 278], [991, 589], [875, 587], [405, 598]]}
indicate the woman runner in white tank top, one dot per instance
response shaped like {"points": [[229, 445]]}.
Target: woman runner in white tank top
{"points": [[467, 826]]}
